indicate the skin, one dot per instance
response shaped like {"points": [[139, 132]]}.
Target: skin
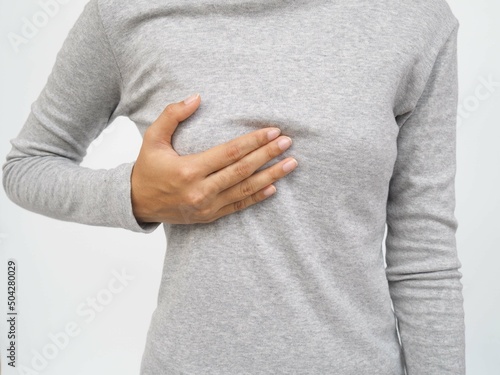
{"points": [[202, 187]]}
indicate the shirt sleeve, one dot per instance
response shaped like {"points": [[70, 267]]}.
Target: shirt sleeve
{"points": [[42, 171], [421, 255]]}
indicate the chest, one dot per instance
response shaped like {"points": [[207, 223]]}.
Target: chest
{"points": [[330, 90]]}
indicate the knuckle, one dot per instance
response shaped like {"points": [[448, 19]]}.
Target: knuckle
{"points": [[272, 152], [197, 200], [254, 199], [272, 174], [242, 169], [211, 188], [239, 205], [223, 180], [205, 221], [261, 140], [233, 152], [187, 173], [246, 188], [169, 111], [205, 214], [257, 142]]}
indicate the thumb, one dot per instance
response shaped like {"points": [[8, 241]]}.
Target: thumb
{"points": [[165, 125]]}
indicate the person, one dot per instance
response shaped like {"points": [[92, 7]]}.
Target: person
{"points": [[295, 282]]}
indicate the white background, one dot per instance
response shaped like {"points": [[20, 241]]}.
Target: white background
{"points": [[62, 264]]}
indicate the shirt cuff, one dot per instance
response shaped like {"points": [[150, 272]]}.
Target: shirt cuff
{"points": [[124, 215]]}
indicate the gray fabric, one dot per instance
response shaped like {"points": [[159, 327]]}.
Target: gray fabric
{"points": [[297, 283]]}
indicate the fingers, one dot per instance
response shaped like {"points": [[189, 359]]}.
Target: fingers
{"points": [[234, 173], [248, 192], [261, 195], [204, 186], [237, 195], [163, 128], [230, 152]]}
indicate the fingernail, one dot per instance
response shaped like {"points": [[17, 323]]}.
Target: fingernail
{"points": [[271, 134], [270, 190], [290, 165], [191, 99], [284, 143]]}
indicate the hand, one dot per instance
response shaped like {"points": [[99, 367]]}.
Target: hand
{"points": [[202, 187]]}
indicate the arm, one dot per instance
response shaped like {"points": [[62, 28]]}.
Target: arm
{"points": [[422, 261], [42, 172], [82, 96]]}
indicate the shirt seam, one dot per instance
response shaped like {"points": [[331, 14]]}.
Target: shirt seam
{"points": [[106, 36], [438, 50]]}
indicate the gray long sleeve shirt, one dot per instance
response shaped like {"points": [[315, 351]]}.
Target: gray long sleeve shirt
{"points": [[296, 284]]}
